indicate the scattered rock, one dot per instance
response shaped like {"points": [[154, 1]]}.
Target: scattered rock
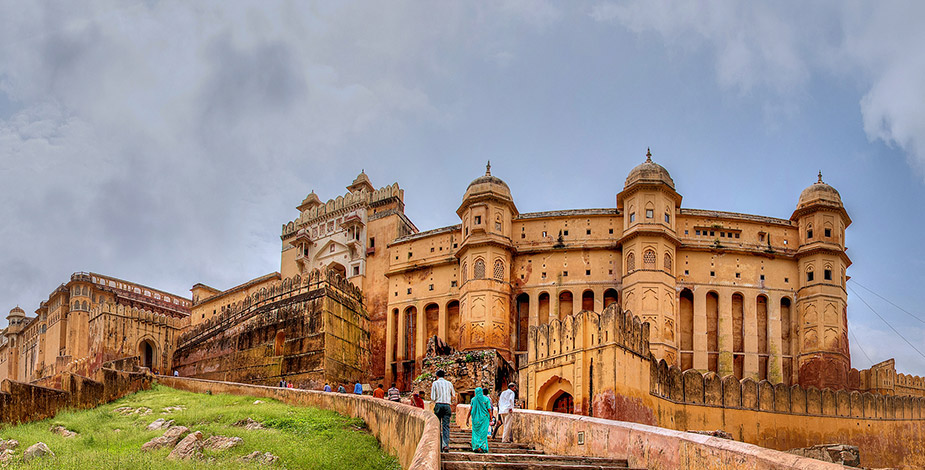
{"points": [[117, 430], [256, 456], [127, 410], [168, 439], [8, 445], [189, 447], [62, 431], [249, 424], [257, 402], [846, 455], [159, 423], [221, 443], [6, 456], [39, 449], [171, 409]]}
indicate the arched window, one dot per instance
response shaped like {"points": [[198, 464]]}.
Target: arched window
{"points": [[648, 259], [76, 305], [668, 263], [499, 270], [630, 262], [83, 305], [809, 232], [464, 274], [809, 274], [478, 271]]}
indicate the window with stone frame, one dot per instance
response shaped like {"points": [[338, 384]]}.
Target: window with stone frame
{"points": [[464, 274], [667, 263], [478, 270], [630, 262], [648, 259], [499, 270]]}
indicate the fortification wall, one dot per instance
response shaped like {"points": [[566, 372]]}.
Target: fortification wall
{"points": [[23, 403], [603, 357], [304, 332], [411, 434]]}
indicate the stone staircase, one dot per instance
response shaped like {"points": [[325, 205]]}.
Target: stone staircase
{"points": [[516, 456]]}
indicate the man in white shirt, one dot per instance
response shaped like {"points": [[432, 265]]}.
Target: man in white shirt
{"points": [[506, 410], [442, 393]]}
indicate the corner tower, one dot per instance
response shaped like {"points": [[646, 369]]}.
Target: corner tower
{"points": [[822, 301], [649, 205], [485, 256]]}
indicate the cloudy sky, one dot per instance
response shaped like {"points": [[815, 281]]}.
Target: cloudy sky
{"points": [[167, 142]]}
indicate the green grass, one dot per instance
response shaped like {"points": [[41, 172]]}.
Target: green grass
{"points": [[301, 437]]}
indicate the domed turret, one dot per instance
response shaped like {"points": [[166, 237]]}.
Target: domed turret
{"points": [[488, 184], [309, 202], [361, 182], [16, 312], [820, 193], [649, 172]]}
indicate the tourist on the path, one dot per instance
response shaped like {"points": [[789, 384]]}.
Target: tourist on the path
{"points": [[506, 410], [416, 400], [379, 392], [442, 393], [358, 388], [176, 373], [327, 388], [341, 389], [480, 416], [394, 394], [281, 384], [288, 384]]}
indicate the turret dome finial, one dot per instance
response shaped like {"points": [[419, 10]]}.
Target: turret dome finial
{"points": [[648, 155], [488, 168], [820, 176]]}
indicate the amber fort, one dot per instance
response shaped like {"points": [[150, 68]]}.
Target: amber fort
{"points": [[643, 312]]}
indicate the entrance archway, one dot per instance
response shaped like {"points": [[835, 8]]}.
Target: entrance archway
{"points": [[148, 354], [563, 403]]}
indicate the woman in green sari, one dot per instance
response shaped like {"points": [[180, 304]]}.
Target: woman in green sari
{"points": [[480, 415]]}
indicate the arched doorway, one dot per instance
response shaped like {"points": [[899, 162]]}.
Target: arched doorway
{"points": [[563, 403], [148, 354], [339, 269]]}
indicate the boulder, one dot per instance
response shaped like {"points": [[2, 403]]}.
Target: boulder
{"points": [[159, 423], [221, 442], [263, 458], [257, 402], [8, 445], [62, 431], [168, 439], [6, 455], [189, 447], [39, 449], [249, 424]]}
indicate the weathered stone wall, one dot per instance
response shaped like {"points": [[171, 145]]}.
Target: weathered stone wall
{"points": [[467, 370], [23, 403], [645, 446], [565, 357], [307, 332], [411, 434]]}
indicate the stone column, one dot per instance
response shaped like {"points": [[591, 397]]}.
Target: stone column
{"points": [[421, 333], [724, 335], [402, 338], [775, 368], [389, 341], [442, 322], [750, 334], [701, 361]]}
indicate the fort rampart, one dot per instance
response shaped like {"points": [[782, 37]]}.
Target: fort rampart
{"points": [[888, 428], [411, 434], [23, 403], [304, 330]]}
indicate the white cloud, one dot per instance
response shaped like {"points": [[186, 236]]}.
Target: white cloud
{"points": [[759, 47]]}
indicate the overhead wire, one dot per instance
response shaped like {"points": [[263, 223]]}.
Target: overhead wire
{"points": [[884, 321], [887, 300]]}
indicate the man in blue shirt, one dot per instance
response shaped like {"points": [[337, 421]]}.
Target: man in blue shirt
{"points": [[358, 388]]}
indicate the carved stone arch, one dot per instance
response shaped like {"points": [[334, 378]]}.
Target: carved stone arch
{"points": [[478, 268], [630, 261], [551, 390], [648, 258]]}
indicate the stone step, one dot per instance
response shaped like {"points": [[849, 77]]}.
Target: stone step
{"points": [[530, 458], [467, 448], [493, 444], [524, 466]]}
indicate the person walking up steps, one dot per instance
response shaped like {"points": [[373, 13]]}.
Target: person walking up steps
{"points": [[442, 393], [506, 410], [480, 415], [393, 394]]}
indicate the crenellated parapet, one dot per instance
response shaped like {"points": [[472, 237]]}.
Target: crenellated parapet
{"points": [[586, 330], [140, 315], [342, 205], [883, 379], [695, 388]]}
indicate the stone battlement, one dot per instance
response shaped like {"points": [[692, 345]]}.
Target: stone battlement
{"points": [[342, 204]]}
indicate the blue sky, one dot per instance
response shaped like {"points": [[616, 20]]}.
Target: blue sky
{"points": [[166, 142]]}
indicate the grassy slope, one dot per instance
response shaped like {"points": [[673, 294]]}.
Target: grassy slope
{"points": [[301, 437]]}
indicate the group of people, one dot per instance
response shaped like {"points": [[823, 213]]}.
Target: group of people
{"points": [[285, 384], [484, 422]]}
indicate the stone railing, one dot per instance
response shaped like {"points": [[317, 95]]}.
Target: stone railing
{"points": [[411, 434], [644, 446], [276, 292]]}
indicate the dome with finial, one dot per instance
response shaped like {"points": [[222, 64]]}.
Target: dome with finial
{"points": [[310, 201], [488, 184], [648, 172], [819, 192], [16, 312], [361, 182]]}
